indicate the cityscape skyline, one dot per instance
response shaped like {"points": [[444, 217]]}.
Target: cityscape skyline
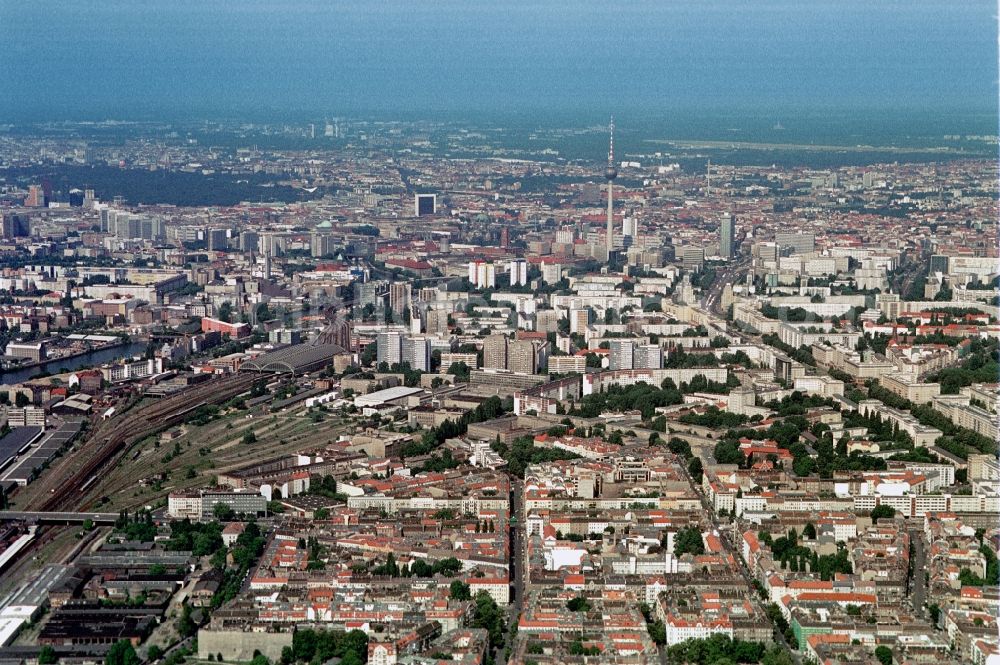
{"points": [[512, 333]]}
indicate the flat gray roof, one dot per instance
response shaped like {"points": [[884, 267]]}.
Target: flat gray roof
{"points": [[386, 395]]}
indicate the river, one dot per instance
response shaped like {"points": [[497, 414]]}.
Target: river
{"points": [[93, 358]]}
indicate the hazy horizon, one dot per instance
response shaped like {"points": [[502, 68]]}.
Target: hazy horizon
{"points": [[128, 60]]}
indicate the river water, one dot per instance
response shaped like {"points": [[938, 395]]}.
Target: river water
{"points": [[87, 360]]}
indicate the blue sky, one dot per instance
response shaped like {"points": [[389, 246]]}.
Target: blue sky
{"points": [[136, 58]]}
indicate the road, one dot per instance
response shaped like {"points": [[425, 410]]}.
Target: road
{"points": [[711, 302], [517, 545], [909, 272], [517, 554], [731, 273], [724, 530], [918, 585]]}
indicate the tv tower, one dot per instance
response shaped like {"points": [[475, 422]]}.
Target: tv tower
{"points": [[610, 173]]}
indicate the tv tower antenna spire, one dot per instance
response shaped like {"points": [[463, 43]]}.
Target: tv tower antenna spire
{"points": [[611, 144], [610, 173]]}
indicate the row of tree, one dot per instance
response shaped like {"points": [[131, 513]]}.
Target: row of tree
{"points": [[719, 649]]}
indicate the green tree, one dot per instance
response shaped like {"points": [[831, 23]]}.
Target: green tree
{"points": [[223, 512], [968, 578], [47, 656], [389, 568], [657, 632], [679, 447], [449, 566], [728, 452], [695, 469], [321, 645], [459, 590], [689, 541], [715, 650], [186, 626], [121, 653], [460, 371], [883, 511], [777, 656], [488, 616], [884, 655]]}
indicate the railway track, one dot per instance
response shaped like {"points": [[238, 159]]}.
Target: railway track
{"points": [[65, 486]]}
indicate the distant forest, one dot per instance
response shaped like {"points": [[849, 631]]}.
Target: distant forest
{"points": [[161, 186]]}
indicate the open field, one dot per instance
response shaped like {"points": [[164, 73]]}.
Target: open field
{"points": [[153, 468], [70, 481]]}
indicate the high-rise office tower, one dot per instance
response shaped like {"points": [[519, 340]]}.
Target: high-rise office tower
{"points": [[133, 227], [551, 272], [630, 227], [424, 204], [522, 356], [321, 244], [16, 226], [399, 296], [647, 356], [579, 319], [417, 352], [482, 274], [610, 173], [267, 249], [495, 352], [249, 241], [518, 272], [428, 294], [217, 240], [693, 257], [796, 243], [622, 354], [766, 251], [35, 198], [370, 293], [685, 291], [390, 347], [150, 228], [436, 321], [939, 263], [727, 233]]}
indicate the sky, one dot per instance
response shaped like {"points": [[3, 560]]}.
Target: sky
{"points": [[168, 58]]}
